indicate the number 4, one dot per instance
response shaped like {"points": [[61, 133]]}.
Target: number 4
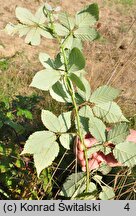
{"points": [[127, 207]]}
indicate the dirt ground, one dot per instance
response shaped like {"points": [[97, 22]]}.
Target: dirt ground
{"points": [[111, 60]]}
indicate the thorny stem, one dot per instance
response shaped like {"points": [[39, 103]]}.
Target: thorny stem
{"points": [[70, 87]]}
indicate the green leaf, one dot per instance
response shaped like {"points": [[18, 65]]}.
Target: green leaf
{"points": [[60, 93], [46, 61], [22, 30], [68, 42], [86, 34], [39, 16], [106, 150], [10, 29], [57, 62], [85, 113], [30, 25], [86, 196], [94, 148], [83, 125], [104, 94], [1, 124], [65, 121], [80, 73], [78, 99], [78, 82], [66, 21], [48, 7], [33, 36], [98, 179], [46, 157], [28, 114], [72, 183], [110, 112], [11, 116], [24, 112], [77, 43], [66, 140], [97, 128], [107, 193], [38, 142], [126, 153], [17, 127], [92, 187], [50, 121], [46, 33], [25, 16], [45, 79], [88, 16], [90, 195], [76, 60], [104, 168], [118, 133], [87, 93], [61, 30]]}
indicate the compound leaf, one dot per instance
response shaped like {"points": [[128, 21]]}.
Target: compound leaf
{"points": [[31, 25]]}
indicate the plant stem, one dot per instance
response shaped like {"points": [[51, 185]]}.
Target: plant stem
{"points": [[70, 87], [80, 135]]}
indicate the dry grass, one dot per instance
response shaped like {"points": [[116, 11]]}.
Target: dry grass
{"points": [[112, 60]]}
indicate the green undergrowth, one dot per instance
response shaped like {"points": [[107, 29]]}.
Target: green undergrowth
{"points": [[4, 64]]}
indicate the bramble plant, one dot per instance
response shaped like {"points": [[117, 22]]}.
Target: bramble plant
{"points": [[64, 78]]}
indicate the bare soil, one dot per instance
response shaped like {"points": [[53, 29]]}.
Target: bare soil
{"points": [[111, 60]]}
